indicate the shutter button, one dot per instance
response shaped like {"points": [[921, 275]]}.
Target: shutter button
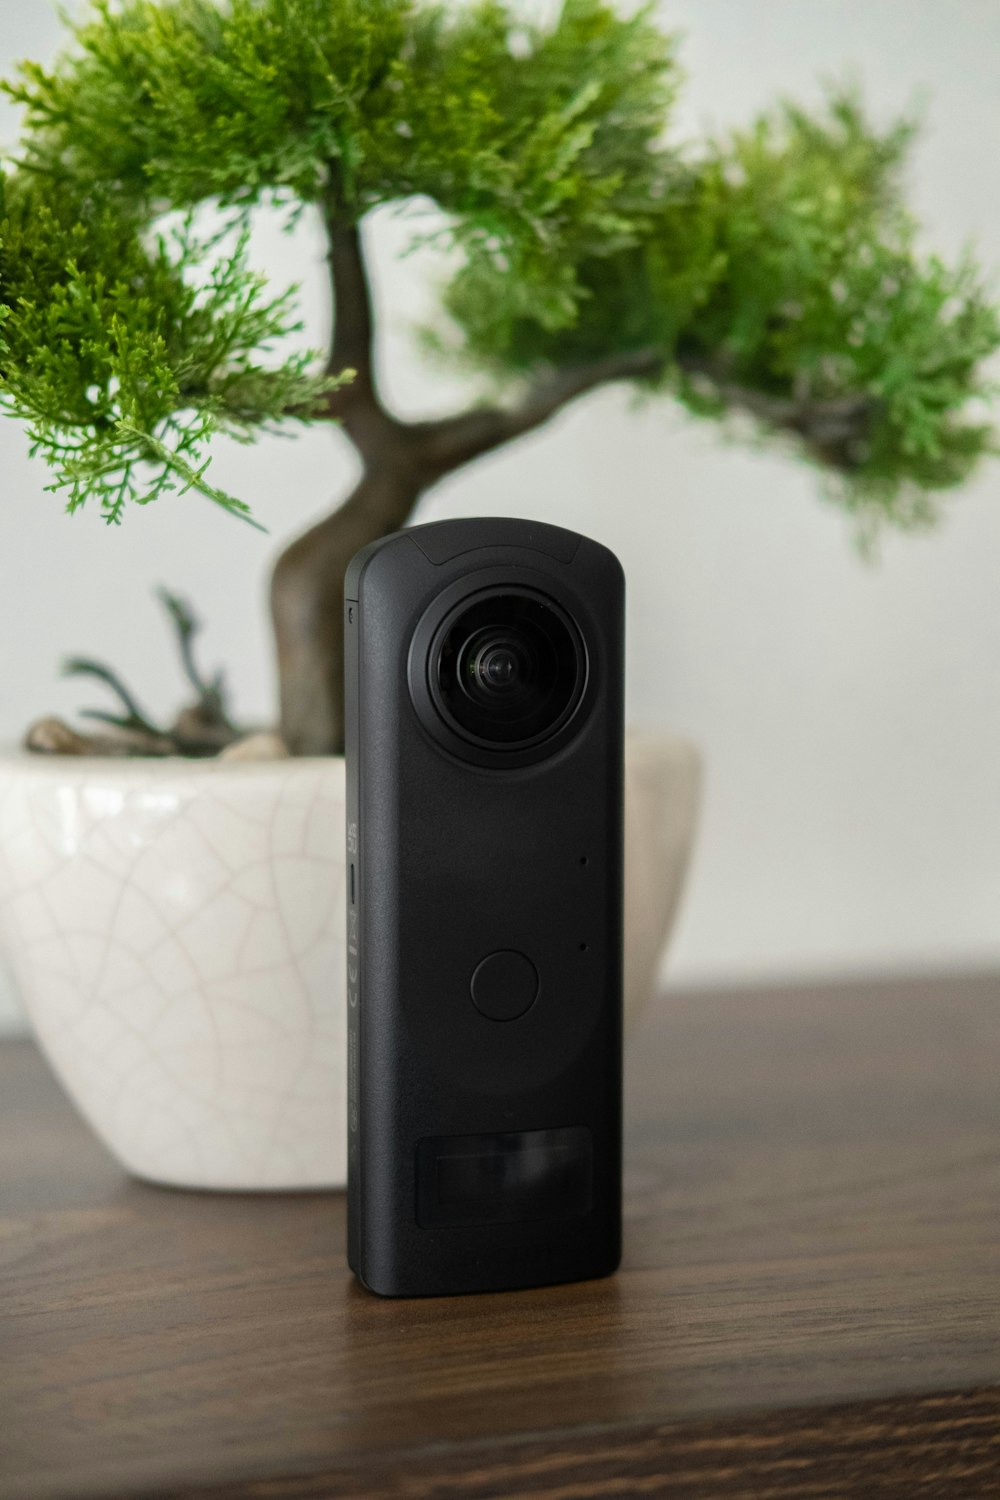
{"points": [[504, 985]]}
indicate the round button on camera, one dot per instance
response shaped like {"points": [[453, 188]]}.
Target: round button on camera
{"points": [[504, 985]]}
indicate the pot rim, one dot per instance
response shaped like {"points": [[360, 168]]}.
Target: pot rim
{"points": [[16, 760], [31, 763]]}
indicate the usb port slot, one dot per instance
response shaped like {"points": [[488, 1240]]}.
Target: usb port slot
{"points": [[352, 885]]}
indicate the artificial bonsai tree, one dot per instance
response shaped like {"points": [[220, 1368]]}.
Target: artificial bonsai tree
{"points": [[773, 272]]}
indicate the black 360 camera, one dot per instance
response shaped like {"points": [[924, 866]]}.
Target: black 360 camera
{"points": [[484, 792]]}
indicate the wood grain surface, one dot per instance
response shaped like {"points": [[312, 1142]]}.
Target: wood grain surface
{"points": [[809, 1303]]}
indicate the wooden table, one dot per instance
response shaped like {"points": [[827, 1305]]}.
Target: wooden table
{"points": [[809, 1303]]}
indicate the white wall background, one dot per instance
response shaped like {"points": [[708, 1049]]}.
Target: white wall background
{"points": [[849, 714]]}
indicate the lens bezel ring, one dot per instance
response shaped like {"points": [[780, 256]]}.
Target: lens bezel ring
{"points": [[424, 653], [564, 639]]}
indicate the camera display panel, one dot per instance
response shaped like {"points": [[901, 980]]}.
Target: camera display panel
{"points": [[504, 1178]]}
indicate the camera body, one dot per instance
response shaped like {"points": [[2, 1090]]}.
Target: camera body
{"points": [[484, 683]]}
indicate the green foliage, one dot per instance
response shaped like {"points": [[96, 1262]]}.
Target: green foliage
{"points": [[774, 271], [825, 299], [779, 275], [122, 365], [189, 100], [534, 141]]}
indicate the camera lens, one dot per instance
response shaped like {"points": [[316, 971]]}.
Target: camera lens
{"points": [[508, 669], [494, 662], [500, 668]]}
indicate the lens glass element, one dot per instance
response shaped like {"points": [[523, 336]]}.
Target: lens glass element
{"points": [[508, 669]]}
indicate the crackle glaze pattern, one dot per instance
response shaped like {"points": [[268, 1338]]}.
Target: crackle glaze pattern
{"points": [[175, 931]]}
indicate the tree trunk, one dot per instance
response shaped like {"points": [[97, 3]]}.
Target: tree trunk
{"points": [[307, 606], [400, 461]]}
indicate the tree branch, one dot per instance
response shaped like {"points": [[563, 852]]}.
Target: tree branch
{"points": [[351, 345], [447, 444], [835, 428], [356, 403]]}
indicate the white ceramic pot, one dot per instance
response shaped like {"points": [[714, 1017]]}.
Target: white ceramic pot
{"points": [[176, 932]]}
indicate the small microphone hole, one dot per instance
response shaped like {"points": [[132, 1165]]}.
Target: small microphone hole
{"points": [[583, 947]]}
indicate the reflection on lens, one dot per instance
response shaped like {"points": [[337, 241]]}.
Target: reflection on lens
{"points": [[499, 669], [509, 670], [495, 661]]}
